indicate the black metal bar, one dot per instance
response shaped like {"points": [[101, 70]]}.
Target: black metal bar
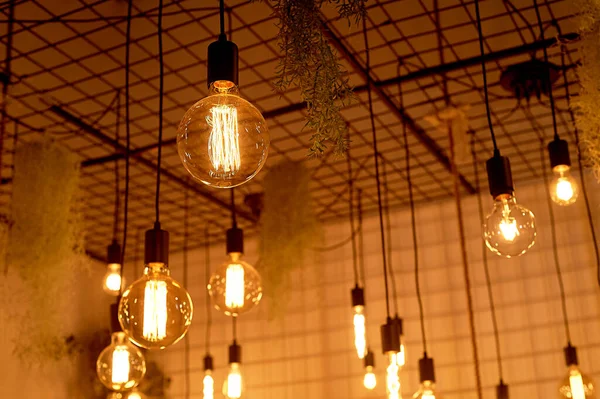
{"points": [[67, 116]]}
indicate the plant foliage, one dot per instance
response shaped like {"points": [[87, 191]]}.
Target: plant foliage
{"points": [[311, 64]]}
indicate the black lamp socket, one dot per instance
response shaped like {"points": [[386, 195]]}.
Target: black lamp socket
{"points": [[499, 176], [235, 353], [571, 355], [222, 61], [399, 325], [113, 252], [358, 296], [390, 339], [156, 248], [501, 390], [558, 150], [235, 240], [426, 370], [369, 359], [208, 363]]}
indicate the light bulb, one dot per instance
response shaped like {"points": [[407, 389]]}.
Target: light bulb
{"points": [[223, 140], [235, 286], [370, 380], [112, 279], [426, 391], [135, 395], [121, 365], [576, 385], [401, 356], [563, 189], [360, 332], [208, 385], [392, 380], [509, 229], [155, 311], [233, 386]]}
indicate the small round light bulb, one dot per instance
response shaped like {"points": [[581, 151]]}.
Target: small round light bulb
{"points": [[112, 279], [370, 379], [233, 386], [509, 230], [563, 189], [121, 365], [576, 385]]}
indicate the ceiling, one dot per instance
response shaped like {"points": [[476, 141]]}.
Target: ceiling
{"points": [[71, 54]]}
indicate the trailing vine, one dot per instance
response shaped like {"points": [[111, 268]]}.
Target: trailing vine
{"points": [[311, 64]]}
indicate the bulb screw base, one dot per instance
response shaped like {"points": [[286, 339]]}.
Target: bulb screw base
{"points": [[499, 176], [358, 296], [390, 338], [222, 61], [115, 326], [113, 252], [208, 363], [369, 359], [235, 240], [558, 150], [235, 353], [426, 370], [501, 390], [156, 248], [571, 355]]}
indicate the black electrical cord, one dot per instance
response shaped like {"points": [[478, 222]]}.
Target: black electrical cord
{"points": [[234, 328], [186, 341], [127, 136], [161, 90], [222, 17], [233, 215], [485, 84], [375, 154], [351, 213], [388, 230], [117, 178], [206, 280], [548, 81], [561, 285], [484, 252], [361, 243]]}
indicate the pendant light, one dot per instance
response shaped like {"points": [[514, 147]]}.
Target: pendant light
{"points": [[121, 365], [390, 337], [156, 311], [235, 287], [223, 140], [208, 382], [233, 387], [370, 379], [509, 230]]}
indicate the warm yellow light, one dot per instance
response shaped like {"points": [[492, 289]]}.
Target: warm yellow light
{"points": [[223, 142], [576, 383], [508, 225], [564, 189], [234, 382], [112, 279], [370, 380], [208, 385], [155, 310], [134, 395], [234, 286], [392, 380], [120, 365], [401, 356], [426, 391], [360, 332]]}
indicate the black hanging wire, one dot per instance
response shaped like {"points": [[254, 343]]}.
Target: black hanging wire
{"points": [[127, 137], [117, 178], [561, 285], [548, 81], [185, 284], [361, 243], [485, 84], [161, 89], [581, 169], [222, 17], [233, 215], [377, 179], [206, 280], [234, 328], [388, 230], [484, 253], [351, 213]]}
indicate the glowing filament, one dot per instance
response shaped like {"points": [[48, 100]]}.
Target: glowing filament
{"points": [[508, 225], [223, 142], [234, 286], [155, 311], [360, 332], [576, 383], [401, 357], [564, 189], [234, 382], [208, 386], [120, 365], [370, 380], [392, 380]]}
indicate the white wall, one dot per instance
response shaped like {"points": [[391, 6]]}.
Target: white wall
{"points": [[309, 353]]}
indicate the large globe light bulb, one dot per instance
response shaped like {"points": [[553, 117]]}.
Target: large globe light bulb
{"points": [[121, 365], [235, 286], [223, 140], [509, 230], [576, 385]]}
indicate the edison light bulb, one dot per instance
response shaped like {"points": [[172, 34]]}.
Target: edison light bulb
{"points": [[121, 365], [223, 140], [208, 385], [155, 311], [576, 385], [426, 391], [392, 380], [563, 189], [360, 332], [235, 286], [112, 279], [401, 356], [509, 229], [233, 385], [370, 380]]}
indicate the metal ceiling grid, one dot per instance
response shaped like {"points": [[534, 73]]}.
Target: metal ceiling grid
{"points": [[71, 55]]}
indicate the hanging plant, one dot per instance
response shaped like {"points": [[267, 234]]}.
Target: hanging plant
{"points": [[311, 64], [289, 231], [586, 105]]}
